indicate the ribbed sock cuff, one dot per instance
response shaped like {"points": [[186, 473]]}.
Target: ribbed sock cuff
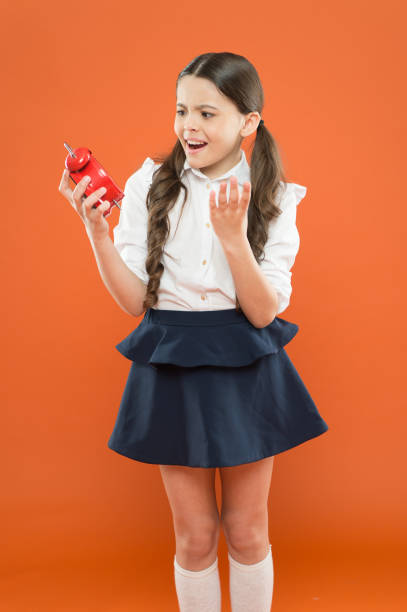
{"points": [[196, 574], [253, 566]]}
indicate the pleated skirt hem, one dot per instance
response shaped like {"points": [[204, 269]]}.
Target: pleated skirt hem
{"points": [[268, 452]]}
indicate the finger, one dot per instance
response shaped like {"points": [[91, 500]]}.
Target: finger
{"points": [[64, 180], [64, 187], [245, 199], [92, 199], [80, 189], [223, 201], [103, 204], [212, 200], [234, 192], [101, 208]]}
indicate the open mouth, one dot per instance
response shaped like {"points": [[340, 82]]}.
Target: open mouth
{"points": [[196, 147]]}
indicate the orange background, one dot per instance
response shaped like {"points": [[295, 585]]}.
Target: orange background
{"points": [[87, 529]]}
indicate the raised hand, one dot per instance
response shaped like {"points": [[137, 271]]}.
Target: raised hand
{"points": [[229, 219], [92, 216]]}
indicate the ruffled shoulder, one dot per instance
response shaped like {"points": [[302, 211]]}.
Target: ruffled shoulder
{"points": [[299, 191], [145, 172], [291, 190], [232, 345]]}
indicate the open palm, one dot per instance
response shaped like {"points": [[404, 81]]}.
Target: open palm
{"points": [[229, 219]]}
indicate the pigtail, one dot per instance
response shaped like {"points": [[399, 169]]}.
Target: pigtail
{"points": [[266, 172]]}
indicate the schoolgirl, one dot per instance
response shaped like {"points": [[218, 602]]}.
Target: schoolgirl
{"points": [[204, 247]]}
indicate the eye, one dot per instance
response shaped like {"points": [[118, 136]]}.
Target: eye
{"points": [[203, 113]]}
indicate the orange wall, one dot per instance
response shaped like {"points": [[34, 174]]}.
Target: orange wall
{"points": [[102, 75]]}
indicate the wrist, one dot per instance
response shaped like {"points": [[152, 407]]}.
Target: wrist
{"points": [[98, 241], [236, 245]]}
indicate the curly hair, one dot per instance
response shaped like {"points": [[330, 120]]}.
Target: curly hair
{"points": [[236, 78]]}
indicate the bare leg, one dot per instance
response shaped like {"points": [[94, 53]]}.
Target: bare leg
{"points": [[191, 494], [245, 522]]}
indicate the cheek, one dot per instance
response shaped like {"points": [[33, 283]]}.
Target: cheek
{"points": [[213, 134], [179, 135]]}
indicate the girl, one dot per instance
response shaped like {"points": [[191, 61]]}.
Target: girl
{"points": [[204, 247]]}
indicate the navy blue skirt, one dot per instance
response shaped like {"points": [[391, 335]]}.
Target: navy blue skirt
{"points": [[208, 389]]}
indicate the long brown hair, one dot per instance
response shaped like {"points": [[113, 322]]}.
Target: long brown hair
{"points": [[237, 79]]}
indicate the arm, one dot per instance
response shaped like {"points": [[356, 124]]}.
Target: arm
{"points": [[257, 297], [283, 244], [121, 263], [264, 289], [126, 288]]}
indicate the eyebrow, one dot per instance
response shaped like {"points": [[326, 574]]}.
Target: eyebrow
{"points": [[199, 105]]}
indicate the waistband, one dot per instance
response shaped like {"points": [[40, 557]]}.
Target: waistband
{"points": [[195, 317]]}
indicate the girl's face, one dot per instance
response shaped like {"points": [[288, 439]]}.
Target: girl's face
{"points": [[205, 114]]}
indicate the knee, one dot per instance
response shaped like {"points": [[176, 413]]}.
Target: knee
{"points": [[246, 533], [199, 539]]}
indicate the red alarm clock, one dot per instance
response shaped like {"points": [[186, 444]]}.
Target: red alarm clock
{"points": [[80, 163]]}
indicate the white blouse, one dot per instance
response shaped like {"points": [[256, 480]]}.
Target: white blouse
{"points": [[199, 277]]}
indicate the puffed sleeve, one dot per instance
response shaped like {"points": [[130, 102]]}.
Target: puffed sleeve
{"points": [[283, 243], [130, 234]]}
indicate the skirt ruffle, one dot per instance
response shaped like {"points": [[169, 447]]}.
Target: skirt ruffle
{"points": [[216, 340], [208, 389]]}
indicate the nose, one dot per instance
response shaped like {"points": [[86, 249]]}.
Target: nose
{"points": [[189, 133], [190, 124], [189, 130]]}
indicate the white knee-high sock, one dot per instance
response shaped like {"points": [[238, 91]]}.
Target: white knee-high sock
{"points": [[198, 591], [251, 586]]}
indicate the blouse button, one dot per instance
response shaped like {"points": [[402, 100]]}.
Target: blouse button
{"points": [[202, 297], [204, 262], [207, 224]]}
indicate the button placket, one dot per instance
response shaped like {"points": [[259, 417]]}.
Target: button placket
{"points": [[206, 239], [207, 242]]}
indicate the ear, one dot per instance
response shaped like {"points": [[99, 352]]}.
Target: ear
{"points": [[250, 123]]}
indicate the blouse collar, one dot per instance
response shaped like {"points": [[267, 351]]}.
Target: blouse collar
{"points": [[241, 170]]}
